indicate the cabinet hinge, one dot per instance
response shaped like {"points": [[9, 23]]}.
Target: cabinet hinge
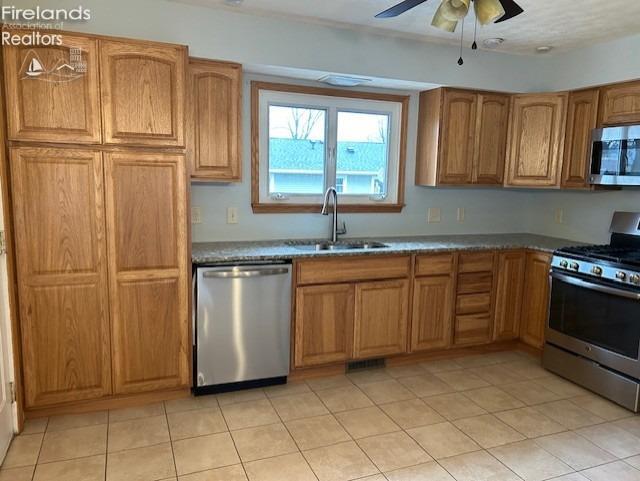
{"points": [[3, 243], [12, 391]]}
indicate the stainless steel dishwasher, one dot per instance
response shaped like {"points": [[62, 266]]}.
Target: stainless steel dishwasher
{"points": [[242, 317]]}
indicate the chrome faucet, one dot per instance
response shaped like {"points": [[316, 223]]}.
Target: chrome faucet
{"points": [[325, 211]]}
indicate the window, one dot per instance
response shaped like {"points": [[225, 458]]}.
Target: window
{"points": [[306, 140]]}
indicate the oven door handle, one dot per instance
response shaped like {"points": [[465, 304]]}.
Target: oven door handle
{"points": [[596, 287]]}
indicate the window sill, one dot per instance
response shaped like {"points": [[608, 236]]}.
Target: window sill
{"points": [[316, 208]]}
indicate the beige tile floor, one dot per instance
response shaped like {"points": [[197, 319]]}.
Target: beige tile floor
{"points": [[492, 417]]}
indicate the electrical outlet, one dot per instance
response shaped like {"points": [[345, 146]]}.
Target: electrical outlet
{"points": [[196, 215], [434, 215], [232, 215], [559, 216], [461, 214]]}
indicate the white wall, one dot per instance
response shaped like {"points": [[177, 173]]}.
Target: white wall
{"points": [[487, 210]]}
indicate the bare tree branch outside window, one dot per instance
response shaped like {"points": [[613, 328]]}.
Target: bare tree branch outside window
{"points": [[302, 121]]}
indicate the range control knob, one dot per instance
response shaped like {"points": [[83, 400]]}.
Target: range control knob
{"points": [[621, 276], [574, 266], [564, 264], [596, 270], [635, 279]]}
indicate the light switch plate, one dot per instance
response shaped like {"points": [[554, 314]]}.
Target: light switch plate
{"points": [[196, 215], [461, 214], [232, 215], [559, 216], [434, 215]]}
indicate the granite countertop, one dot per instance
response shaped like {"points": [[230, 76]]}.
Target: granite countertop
{"points": [[243, 251]]}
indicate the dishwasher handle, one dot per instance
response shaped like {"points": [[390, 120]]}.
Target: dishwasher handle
{"points": [[236, 273]]}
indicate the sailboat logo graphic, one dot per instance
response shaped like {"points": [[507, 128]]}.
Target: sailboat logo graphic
{"points": [[35, 68], [55, 69]]}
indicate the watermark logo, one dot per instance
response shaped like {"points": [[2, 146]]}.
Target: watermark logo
{"points": [[59, 69], [36, 26]]}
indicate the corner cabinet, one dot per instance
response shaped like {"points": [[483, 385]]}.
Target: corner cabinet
{"points": [[461, 137], [620, 104], [143, 93], [582, 118], [214, 141], [61, 250], [535, 299], [536, 140], [147, 228], [61, 106]]}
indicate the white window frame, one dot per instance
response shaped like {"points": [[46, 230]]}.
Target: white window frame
{"points": [[332, 105]]}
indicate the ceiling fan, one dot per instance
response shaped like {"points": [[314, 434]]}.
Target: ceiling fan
{"points": [[451, 11]]}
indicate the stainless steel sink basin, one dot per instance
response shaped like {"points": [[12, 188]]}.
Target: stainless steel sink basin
{"points": [[338, 246]]}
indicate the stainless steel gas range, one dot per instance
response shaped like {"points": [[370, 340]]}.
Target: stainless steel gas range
{"points": [[593, 331]]}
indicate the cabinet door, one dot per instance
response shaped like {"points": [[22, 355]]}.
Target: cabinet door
{"points": [[510, 285], [62, 274], [536, 140], [620, 104], [59, 103], [535, 304], [491, 139], [148, 273], [582, 118], [142, 93], [381, 318], [214, 90], [324, 324], [457, 137], [432, 313]]}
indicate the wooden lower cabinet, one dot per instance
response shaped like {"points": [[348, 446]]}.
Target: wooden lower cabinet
{"points": [[147, 227], [432, 313], [59, 213], [535, 304], [381, 318], [509, 290], [323, 324]]}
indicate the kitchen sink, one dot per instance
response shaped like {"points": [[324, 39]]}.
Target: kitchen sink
{"points": [[338, 246]]}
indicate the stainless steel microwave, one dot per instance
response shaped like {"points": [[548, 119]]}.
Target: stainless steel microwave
{"points": [[615, 156]]}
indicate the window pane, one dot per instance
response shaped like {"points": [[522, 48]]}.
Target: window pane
{"points": [[297, 150], [363, 153]]}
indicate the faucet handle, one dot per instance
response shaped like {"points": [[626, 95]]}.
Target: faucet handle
{"points": [[342, 230]]}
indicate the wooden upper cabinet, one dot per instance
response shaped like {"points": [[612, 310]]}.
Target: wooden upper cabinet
{"points": [[536, 299], [457, 137], [536, 140], [62, 274], [214, 143], [431, 327], [461, 137], [620, 104], [323, 324], [509, 290], [148, 278], [491, 139], [58, 106], [381, 318], [582, 118], [143, 93]]}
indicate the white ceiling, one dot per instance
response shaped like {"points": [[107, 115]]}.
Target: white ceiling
{"points": [[563, 24]]}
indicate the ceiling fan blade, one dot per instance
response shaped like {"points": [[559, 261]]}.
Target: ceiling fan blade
{"points": [[511, 9], [400, 8]]}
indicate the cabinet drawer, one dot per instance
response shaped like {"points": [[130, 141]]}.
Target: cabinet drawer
{"points": [[475, 282], [476, 262], [473, 329], [349, 269], [473, 303], [434, 264]]}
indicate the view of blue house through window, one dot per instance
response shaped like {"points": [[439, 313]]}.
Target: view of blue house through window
{"points": [[299, 152]]}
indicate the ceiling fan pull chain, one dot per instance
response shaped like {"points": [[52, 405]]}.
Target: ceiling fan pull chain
{"points": [[461, 60], [474, 45]]}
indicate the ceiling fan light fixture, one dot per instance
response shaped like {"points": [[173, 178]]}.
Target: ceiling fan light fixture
{"points": [[488, 11], [448, 14]]}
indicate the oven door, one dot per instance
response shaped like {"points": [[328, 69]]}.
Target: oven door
{"points": [[598, 321], [615, 156]]}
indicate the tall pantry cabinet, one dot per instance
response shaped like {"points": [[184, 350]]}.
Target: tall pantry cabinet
{"points": [[99, 189]]}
